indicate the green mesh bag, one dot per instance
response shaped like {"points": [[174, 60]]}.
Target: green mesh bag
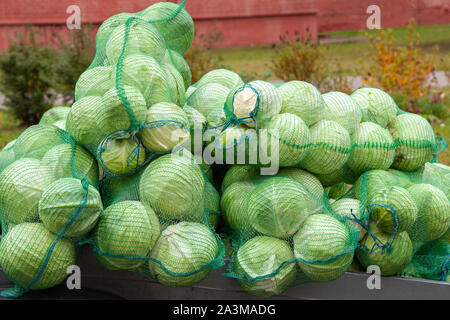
{"points": [[376, 106], [55, 114], [302, 99], [409, 218], [341, 108], [283, 231], [49, 201], [167, 231], [223, 77], [128, 102]]}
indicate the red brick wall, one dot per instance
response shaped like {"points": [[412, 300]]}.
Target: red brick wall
{"points": [[242, 22], [351, 14]]}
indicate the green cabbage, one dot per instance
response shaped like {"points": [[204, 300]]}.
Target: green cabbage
{"points": [[374, 148], [293, 136], [112, 115], [169, 135], [338, 190], [330, 149], [239, 173], [94, 82], [278, 206], [104, 32], [376, 106], [58, 159], [372, 181], [180, 64], [6, 158], [402, 179], [21, 186], [122, 155], [178, 31], [62, 199], [340, 107], [82, 122], [302, 99], [9, 145], [262, 257], [126, 231], [436, 174], [234, 202], [55, 114], [434, 213], [142, 38], [224, 77], [324, 247], [391, 260], [351, 209], [177, 90], [416, 138], [190, 91], [257, 98], [186, 251], [35, 141], [173, 186], [212, 204], [308, 180], [404, 212], [208, 97], [146, 74], [23, 251]]}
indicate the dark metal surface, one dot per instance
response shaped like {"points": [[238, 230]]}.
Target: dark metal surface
{"points": [[99, 283]]}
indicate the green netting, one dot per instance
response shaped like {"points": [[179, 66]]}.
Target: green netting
{"points": [[353, 182], [283, 231], [135, 88], [160, 222], [54, 115], [48, 202]]}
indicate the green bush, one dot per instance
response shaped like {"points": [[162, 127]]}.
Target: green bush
{"points": [[200, 57], [27, 76], [302, 58]]}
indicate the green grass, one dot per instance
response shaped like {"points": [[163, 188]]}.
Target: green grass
{"points": [[9, 128], [257, 59]]}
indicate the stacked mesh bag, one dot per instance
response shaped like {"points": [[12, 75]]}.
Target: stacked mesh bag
{"points": [[49, 201], [357, 186], [122, 138], [286, 229]]}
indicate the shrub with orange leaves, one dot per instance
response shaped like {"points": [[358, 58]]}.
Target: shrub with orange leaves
{"points": [[399, 68]]}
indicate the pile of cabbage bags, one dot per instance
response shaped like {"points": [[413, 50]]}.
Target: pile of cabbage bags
{"points": [[163, 177]]}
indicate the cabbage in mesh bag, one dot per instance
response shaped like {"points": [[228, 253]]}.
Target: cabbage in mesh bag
{"points": [[223, 77], [257, 100], [40, 212], [341, 108], [125, 234], [330, 148], [173, 187], [24, 255], [376, 106], [266, 265], [54, 115], [302, 99], [184, 254]]}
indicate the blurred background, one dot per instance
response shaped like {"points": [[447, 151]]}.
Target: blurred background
{"points": [[399, 46]]}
